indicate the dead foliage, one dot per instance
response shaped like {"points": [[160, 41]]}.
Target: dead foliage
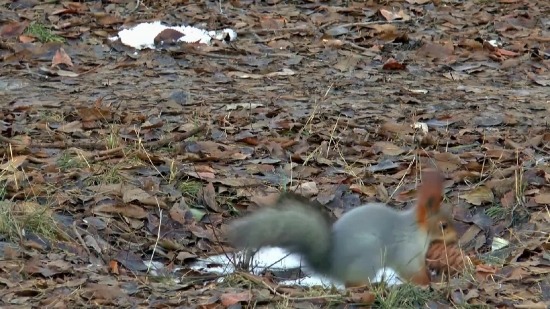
{"points": [[119, 168]]}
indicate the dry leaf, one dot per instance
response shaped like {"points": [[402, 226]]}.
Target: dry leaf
{"points": [[230, 299], [387, 148], [479, 195], [13, 164], [61, 57], [543, 198]]}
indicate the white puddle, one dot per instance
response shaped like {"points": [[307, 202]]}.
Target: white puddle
{"points": [[279, 259]]}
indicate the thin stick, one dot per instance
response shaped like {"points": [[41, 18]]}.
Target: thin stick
{"points": [[176, 138], [80, 238], [158, 237], [365, 23], [248, 31]]}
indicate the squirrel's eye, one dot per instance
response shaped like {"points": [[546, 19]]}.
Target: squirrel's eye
{"points": [[444, 225]]}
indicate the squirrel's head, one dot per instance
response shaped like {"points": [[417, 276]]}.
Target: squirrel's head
{"points": [[435, 219], [440, 226]]}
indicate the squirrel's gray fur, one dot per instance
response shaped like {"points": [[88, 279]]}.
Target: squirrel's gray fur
{"points": [[293, 224]]}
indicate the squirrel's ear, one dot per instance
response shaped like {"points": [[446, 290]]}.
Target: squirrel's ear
{"points": [[430, 191]]}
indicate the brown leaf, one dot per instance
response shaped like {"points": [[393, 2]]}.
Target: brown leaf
{"points": [[127, 210], [543, 198], [26, 39], [406, 196], [460, 176], [268, 22], [542, 81], [387, 148], [516, 274], [508, 199], [109, 20], [209, 197], [135, 194], [389, 16], [13, 164], [13, 29], [93, 113], [479, 195], [369, 191], [71, 127], [177, 212], [230, 299], [130, 260], [382, 193], [394, 65], [61, 57], [447, 162], [362, 297], [468, 237], [113, 267], [98, 291], [396, 128], [167, 36], [184, 255], [434, 50], [528, 304], [239, 182], [307, 189], [483, 272]]}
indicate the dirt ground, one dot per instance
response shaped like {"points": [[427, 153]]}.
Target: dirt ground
{"points": [[112, 157]]}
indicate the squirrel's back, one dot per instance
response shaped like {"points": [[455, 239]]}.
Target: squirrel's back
{"points": [[374, 236]]}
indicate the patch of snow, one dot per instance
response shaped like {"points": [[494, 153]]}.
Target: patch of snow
{"points": [[279, 259], [143, 35]]}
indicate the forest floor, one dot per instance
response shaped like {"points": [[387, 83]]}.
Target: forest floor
{"points": [[119, 168]]}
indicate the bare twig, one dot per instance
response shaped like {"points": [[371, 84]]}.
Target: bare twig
{"points": [[158, 237], [175, 138], [104, 154], [363, 24], [248, 31], [80, 238]]}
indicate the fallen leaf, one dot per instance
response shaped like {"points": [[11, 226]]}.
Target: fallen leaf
{"points": [[483, 272], [369, 191], [307, 189], [13, 29], [61, 57], [127, 210], [543, 198], [479, 195], [389, 16], [230, 299], [209, 197], [13, 164], [387, 148]]}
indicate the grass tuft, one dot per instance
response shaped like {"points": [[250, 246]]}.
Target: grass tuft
{"points": [[190, 188], [18, 218], [405, 295], [68, 161], [43, 33]]}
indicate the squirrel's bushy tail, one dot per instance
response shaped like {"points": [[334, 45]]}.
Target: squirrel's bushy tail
{"points": [[291, 224]]}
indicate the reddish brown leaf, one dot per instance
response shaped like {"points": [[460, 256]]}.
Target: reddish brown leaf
{"points": [[61, 57]]}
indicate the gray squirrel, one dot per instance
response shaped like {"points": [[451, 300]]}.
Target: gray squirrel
{"points": [[364, 240]]}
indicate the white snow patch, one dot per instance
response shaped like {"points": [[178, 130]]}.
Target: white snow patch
{"points": [[277, 258], [143, 35]]}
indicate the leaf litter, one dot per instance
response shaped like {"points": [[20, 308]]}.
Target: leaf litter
{"points": [[121, 168]]}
